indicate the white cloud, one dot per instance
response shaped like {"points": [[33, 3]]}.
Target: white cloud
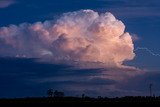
{"points": [[83, 36]]}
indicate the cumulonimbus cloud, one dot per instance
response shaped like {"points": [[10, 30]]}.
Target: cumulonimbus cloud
{"points": [[83, 36]]}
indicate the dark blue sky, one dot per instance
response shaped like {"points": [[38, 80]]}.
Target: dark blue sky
{"points": [[27, 77]]}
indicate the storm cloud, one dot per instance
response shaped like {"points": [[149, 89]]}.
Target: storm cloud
{"points": [[83, 36]]}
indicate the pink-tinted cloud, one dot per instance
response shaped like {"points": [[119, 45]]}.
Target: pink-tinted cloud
{"points": [[6, 3], [83, 36]]}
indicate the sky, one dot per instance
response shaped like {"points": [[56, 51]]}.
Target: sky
{"points": [[96, 47]]}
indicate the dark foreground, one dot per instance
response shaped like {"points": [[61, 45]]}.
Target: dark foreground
{"points": [[73, 101]]}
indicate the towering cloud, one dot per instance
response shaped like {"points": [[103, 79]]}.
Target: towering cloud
{"points": [[83, 36]]}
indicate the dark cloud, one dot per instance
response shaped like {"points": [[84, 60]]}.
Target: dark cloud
{"points": [[21, 77], [140, 84], [26, 77]]}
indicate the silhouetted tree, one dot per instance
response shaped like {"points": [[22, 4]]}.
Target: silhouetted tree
{"points": [[99, 97], [83, 95], [58, 94], [50, 92], [150, 89]]}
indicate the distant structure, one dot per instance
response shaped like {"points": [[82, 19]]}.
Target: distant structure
{"points": [[150, 89]]}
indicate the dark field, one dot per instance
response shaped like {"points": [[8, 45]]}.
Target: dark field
{"points": [[74, 101]]}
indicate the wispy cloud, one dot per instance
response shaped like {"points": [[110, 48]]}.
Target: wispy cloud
{"points": [[6, 3], [132, 8], [148, 50]]}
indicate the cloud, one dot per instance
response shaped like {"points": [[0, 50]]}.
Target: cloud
{"points": [[24, 75], [81, 36], [135, 37], [6, 3], [131, 8], [93, 46]]}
